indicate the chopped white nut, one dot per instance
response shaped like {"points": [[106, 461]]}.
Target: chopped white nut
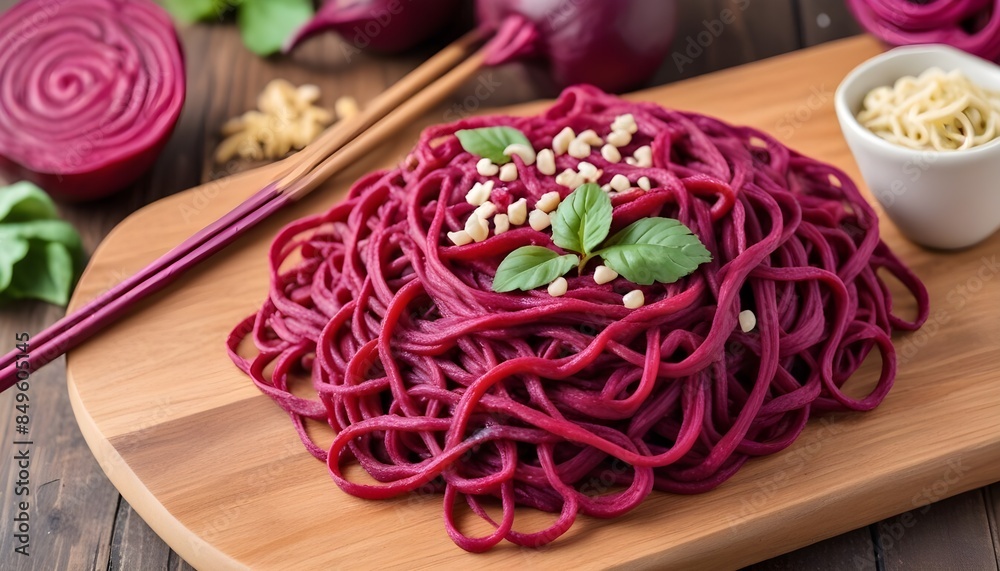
{"points": [[345, 107], [485, 167], [588, 172], [631, 161], [606, 187], [526, 153], [287, 120], [486, 210], [590, 137], [756, 141], [517, 212], [619, 138], [634, 299], [309, 93], [620, 182], [460, 238], [560, 143], [604, 274], [546, 162], [548, 202], [578, 149], [539, 220], [611, 153], [558, 287], [477, 227], [644, 183], [644, 156], [501, 223], [508, 172], [479, 193], [625, 122], [569, 178], [747, 321]]}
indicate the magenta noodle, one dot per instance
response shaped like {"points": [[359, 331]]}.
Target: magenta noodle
{"points": [[432, 380]]}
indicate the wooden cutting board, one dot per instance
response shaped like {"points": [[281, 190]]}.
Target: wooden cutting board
{"points": [[217, 470]]}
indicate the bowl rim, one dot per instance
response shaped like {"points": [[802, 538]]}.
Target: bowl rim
{"points": [[849, 120]]}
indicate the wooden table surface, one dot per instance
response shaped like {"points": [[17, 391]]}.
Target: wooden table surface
{"points": [[79, 521]]}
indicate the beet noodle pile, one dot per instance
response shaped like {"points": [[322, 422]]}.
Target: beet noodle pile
{"points": [[431, 379]]}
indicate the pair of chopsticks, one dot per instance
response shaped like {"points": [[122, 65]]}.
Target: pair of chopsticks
{"points": [[342, 145]]}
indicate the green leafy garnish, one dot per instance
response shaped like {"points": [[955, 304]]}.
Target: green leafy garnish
{"points": [[583, 220], [264, 24], [197, 10], [649, 250], [654, 250], [529, 267], [41, 256], [489, 142]]}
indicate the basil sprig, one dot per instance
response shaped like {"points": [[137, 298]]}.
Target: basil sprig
{"points": [[490, 142], [41, 256], [264, 24], [648, 250]]}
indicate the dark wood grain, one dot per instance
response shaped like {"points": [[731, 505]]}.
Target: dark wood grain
{"points": [[853, 549], [914, 540], [78, 520], [71, 504]]}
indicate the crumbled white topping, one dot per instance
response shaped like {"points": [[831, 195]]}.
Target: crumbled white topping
{"points": [[485, 167], [546, 162], [620, 182], [558, 287], [644, 156], [459, 238], [644, 183], [619, 138], [569, 178], [747, 321], [588, 172], [590, 137], [526, 153], [611, 153], [560, 143], [508, 172], [579, 149], [517, 212], [479, 193], [548, 202], [539, 220], [604, 274], [477, 227], [625, 122], [485, 210], [634, 299], [501, 223]]}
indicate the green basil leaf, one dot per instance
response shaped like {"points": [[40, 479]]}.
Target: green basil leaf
{"points": [[198, 10], [58, 231], [13, 251], [40, 255], [45, 273], [582, 220], [266, 24], [23, 201], [529, 267], [489, 142], [654, 250]]}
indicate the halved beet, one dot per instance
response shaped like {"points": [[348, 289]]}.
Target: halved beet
{"points": [[90, 91]]}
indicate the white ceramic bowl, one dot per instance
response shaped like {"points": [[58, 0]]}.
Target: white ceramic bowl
{"points": [[941, 199]]}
